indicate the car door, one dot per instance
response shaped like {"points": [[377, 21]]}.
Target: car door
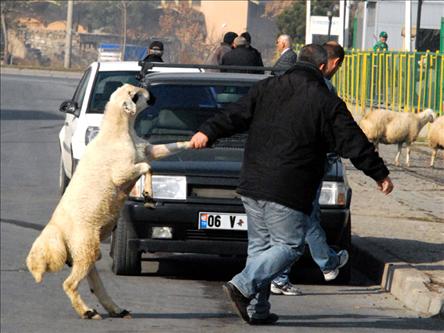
{"points": [[71, 120]]}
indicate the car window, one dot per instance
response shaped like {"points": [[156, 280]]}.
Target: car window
{"points": [[106, 83], [79, 94], [179, 110]]}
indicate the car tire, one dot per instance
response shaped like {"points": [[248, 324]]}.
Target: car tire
{"points": [[345, 244], [126, 261], [63, 178]]}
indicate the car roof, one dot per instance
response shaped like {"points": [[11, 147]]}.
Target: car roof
{"points": [[111, 66], [204, 77]]}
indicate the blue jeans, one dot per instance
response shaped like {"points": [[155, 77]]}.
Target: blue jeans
{"points": [[323, 255], [275, 240]]}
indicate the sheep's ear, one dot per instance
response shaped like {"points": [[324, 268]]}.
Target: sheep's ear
{"points": [[129, 106]]}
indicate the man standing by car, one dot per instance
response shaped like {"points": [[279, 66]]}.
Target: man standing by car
{"points": [[155, 52], [241, 55], [292, 121], [287, 57], [224, 47], [323, 255]]}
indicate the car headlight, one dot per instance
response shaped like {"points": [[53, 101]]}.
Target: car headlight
{"points": [[333, 193], [164, 187], [91, 133]]}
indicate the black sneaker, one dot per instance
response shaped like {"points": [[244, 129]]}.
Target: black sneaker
{"points": [[238, 301], [270, 320]]}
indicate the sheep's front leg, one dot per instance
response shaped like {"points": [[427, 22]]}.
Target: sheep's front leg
{"points": [[376, 144], [155, 152], [127, 175], [96, 286], [148, 190], [432, 160], [407, 157], [398, 155]]}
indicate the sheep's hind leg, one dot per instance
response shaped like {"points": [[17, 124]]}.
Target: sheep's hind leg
{"points": [[71, 284], [97, 288], [398, 155]]}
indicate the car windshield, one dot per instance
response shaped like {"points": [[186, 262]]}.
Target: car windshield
{"points": [[106, 83], [180, 109]]}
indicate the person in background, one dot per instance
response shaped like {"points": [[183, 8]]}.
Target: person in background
{"points": [[292, 120], [381, 44], [287, 56], [241, 55], [323, 255], [224, 47], [247, 36], [155, 52]]}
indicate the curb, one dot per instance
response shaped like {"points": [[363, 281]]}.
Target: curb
{"points": [[401, 279]]}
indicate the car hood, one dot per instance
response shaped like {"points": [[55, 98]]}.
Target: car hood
{"points": [[220, 162]]}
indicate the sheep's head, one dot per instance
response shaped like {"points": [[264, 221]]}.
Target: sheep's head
{"points": [[430, 115], [131, 99]]}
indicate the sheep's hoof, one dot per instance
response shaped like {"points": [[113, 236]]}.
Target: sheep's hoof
{"points": [[149, 202], [125, 314], [91, 314]]}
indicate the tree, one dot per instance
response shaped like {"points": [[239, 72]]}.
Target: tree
{"points": [[9, 10]]}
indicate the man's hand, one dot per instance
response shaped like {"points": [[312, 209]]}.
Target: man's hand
{"points": [[385, 185], [199, 140]]}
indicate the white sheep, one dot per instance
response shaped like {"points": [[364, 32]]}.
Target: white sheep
{"points": [[389, 127], [436, 137]]}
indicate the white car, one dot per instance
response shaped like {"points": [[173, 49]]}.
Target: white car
{"points": [[84, 111]]}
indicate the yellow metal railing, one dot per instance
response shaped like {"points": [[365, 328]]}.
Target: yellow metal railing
{"points": [[397, 81]]}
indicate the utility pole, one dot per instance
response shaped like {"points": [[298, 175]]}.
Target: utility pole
{"points": [[124, 26], [418, 23], [68, 39], [407, 26], [308, 36]]}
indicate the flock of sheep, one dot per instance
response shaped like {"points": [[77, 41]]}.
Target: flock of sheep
{"points": [[389, 127]]}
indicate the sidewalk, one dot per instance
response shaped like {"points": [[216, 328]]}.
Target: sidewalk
{"points": [[40, 72], [398, 240]]}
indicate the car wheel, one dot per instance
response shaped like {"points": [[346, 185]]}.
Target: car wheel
{"points": [[126, 261], [345, 243], [63, 178]]}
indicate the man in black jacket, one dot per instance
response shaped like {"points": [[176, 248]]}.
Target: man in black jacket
{"points": [[293, 121], [247, 36], [155, 52], [241, 55]]}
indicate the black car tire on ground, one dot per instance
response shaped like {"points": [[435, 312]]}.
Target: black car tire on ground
{"points": [[63, 178], [126, 261]]}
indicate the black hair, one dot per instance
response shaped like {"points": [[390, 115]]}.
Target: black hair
{"points": [[314, 54], [334, 50], [247, 36], [229, 37]]}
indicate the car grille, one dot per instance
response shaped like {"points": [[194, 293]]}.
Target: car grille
{"points": [[217, 193], [221, 235]]}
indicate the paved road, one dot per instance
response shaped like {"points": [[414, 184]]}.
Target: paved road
{"points": [[176, 293]]}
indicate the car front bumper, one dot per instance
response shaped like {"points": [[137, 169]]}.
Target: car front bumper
{"points": [[188, 238]]}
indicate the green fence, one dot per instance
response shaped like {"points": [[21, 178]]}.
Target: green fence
{"points": [[397, 81]]}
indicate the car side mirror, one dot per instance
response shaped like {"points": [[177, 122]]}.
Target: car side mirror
{"points": [[69, 107]]}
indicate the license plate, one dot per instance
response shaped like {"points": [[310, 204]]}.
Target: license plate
{"points": [[222, 221]]}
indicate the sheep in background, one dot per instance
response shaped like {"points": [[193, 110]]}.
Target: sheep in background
{"points": [[389, 127], [436, 137]]}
